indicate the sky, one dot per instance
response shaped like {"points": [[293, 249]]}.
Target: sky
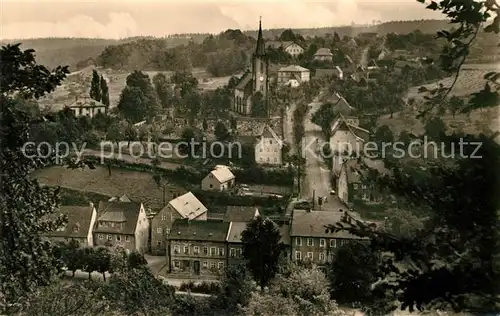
{"points": [[119, 19]]}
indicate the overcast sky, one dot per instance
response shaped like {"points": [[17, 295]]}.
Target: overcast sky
{"points": [[118, 19]]}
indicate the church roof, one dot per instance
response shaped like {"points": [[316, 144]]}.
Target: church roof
{"points": [[245, 80], [294, 68], [260, 50]]}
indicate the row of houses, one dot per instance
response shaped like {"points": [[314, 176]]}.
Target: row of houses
{"points": [[194, 243]]}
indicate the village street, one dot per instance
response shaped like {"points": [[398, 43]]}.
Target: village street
{"points": [[316, 181]]}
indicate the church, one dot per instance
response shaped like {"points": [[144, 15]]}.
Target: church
{"points": [[253, 82]]}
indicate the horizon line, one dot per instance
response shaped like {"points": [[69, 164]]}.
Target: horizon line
{"points": [[208, 33]]}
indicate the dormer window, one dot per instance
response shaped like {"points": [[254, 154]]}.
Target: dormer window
{"points": [[76, 229]]}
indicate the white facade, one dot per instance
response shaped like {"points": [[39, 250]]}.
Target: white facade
{"points": [[345, 143], [343, 186], [87, 107], [90, 234], [294, 49], [268, 151], [220, 179], [294, 72]]}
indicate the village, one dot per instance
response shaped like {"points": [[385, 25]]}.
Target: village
{"points": [[280, 157]]}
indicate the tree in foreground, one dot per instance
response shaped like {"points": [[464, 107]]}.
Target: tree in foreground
{"points": [[303, 292], [26, 261], [262, 248], [236, 289]]}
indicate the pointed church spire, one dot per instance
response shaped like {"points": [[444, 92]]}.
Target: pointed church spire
{"points": [[261, 49]]}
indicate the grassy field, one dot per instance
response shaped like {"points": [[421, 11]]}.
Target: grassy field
{"points": [[139, 186], [80, 83], [470, 80], [269, 189]]}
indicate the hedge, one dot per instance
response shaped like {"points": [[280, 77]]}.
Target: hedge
{"points": [[75, 197], [203, 287], [252, 175], [256, 175], [224, 198]]}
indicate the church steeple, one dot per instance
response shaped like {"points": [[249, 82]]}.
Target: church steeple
{"points": [[261, 49]]}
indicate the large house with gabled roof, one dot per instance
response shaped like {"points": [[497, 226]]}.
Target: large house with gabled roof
{"points": [[123, 224], [197, 248], [79, 225], [268, 147], [185, 206], [347, 139], [87, 107]]}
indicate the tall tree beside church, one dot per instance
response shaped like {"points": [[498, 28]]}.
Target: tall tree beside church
{"points": [[95, 86], [26, 260], [104, 91]]}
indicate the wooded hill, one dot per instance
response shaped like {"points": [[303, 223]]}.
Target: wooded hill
{"points": [[71, 51]]}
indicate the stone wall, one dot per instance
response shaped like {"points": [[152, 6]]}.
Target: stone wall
{"points": [[246, 126]]}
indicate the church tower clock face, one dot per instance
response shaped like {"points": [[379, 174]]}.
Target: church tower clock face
{"points": [[261, 78]]}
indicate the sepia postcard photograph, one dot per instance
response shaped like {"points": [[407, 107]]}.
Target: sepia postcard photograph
{"points": [[250, 158]]}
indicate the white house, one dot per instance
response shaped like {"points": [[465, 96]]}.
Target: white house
{"points": [[87, 107], [80, 225], [323, 54], [268, 147], [291, 48], [346, 141], [293, 73], [219, 179]]}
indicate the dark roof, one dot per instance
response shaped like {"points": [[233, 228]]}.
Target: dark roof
{"points": [[118, 212], [209, 230], [244, 81], [239, 213], [78, 216], [312, 224], [260, 50], [328, 72], [356, 169]]}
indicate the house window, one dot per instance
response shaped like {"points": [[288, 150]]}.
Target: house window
{"points": [[298, 241], [267, 159], [158, 243], [196, 250], [76, 228], [310, 242], [205, 264], [322, 257], [221, 251], [261, 159], [126, 238], [221, 265], [322, 242], [270, 141], [211, 186], [118, 238], [159, 230], [232, 252], [110, 237], [212, 265], [205, 250], [298, 255], [275, 150], [238, 252], [176, 249], [310, 255], [260, 150], [177, 264], [113, 224], [167, 231], [275, 159], [333, 243], [212, 251], [164, 217], [186, 250], [342, 242]]}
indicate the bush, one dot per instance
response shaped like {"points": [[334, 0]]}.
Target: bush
{"points": [[264, 176], [203, 287], [224, 198], [75, 197]]}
